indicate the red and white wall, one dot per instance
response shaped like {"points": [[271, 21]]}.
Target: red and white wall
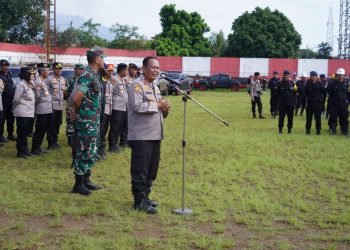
{"points": [[202, 66]]}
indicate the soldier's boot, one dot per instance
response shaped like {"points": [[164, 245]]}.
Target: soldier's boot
{"points": [[261, 116], [11, 137], [280, 130], [150, 202], [79, 186], [88, 184], [141, 205], [35, 151], [333, 130], [296, 112], [114, 149], [70, 140], [254, 115], [289, 130], [3, 139], [318, 132], [307, 132]]}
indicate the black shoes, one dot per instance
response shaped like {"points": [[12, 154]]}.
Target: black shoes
{"points": [[12, 138], [151, 202], [261, 117], [114, 150], [79, 187], [143, 206], [307, 132], [3, 139], [88, 184], [318, 132], [280, 130], [289, 131]]}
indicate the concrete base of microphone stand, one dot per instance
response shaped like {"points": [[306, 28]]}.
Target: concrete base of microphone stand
{"points": [[184, 211]]}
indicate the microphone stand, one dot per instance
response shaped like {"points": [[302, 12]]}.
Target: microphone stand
{"points": [[183, 210]]}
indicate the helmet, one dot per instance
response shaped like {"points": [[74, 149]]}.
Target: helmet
{"points": [[341, 71]]}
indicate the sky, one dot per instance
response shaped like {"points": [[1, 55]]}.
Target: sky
{"points": [[308, 16]]}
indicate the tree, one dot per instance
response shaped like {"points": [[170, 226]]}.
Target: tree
{"points": [[218, 43], [68, 37], [263, 33], [127, 37], [307, 54], [22, 21], [183, 33], [88, 35], [324, 50]]}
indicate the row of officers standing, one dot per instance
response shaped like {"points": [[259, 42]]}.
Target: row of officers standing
{"points": [[128, 104], [319, 96], [38, 102]]}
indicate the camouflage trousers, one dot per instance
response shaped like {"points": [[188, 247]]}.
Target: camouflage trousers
{"points": [[85, 149]]}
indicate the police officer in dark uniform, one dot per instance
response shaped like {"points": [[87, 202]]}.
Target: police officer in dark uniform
{"points": [[338, 100], [300, 97], [314, 91], [274, 95], [145, 117], [324, 83], [7, 102], [286, 95]]}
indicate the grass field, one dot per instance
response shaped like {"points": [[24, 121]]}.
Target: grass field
{"points": [[249, 188]]}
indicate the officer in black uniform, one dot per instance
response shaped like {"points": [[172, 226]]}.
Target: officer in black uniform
{"points": [[286, 95], [338, 101], [314, 91], [324, 83], [7, 102], [274, 95], [300, 98]]}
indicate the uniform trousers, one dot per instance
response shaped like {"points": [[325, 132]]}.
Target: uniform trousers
{"points": [[145, 156]]}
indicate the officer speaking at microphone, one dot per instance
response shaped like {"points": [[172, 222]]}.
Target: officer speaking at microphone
{"points": [[146, 109]]}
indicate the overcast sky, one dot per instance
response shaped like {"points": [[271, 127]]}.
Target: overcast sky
{"points": [[308, 16]]}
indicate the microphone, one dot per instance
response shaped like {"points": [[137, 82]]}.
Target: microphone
{"points": [[163, 76]]}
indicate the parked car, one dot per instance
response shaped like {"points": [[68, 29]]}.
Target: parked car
{"points": [[221, 81], [182, 78], [14, 72]]}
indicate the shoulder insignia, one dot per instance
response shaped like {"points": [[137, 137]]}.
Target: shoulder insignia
{"points": [[138, 88]]}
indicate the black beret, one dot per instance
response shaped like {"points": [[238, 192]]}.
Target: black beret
{"points": [[313, 73], [322, 75], [286, 72], [121, 66], [4, 62]]}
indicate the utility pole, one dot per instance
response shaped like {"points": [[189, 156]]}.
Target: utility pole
{"points": [[51, 31], [344, 30]]}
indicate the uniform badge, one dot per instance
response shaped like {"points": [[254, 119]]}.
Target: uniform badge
{"points": [[138, 88]]}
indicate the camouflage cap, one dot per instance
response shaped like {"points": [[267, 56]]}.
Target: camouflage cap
{"points": [[79, 66]]}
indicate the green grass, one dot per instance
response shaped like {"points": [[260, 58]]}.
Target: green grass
{"points": [[249, 188]]}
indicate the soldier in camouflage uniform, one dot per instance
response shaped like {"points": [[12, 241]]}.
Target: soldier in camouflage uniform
{"points": [[85, 103], [78, 70]]}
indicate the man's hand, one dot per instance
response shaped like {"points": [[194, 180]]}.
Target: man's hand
{"points": [[72, 113]]}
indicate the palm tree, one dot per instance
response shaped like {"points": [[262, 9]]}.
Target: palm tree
{"points": [[218, 43]]}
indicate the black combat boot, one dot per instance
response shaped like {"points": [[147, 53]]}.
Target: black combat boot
{"points": [[307, 132], [280, 130], [11, 137], [35, 151], [79, 186], [254, 115], [141, 205], [289, 130], [261, 116], [88, 184], [318, 132], [3, 139]]}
